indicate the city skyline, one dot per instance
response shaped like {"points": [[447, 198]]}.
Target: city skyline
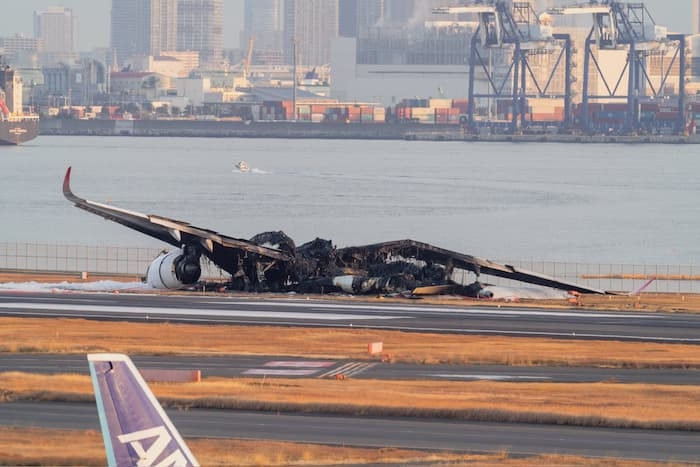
{"points": [[93, 19], [312, 23], [139, 28]]}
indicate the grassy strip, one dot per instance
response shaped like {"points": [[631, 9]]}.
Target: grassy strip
{"points": [[647, 406], [82, 336], [85, 448]]}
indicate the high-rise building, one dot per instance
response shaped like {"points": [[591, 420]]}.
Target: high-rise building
{"points": [[143, 27], [200, 28], [355, 17], [696, 16], [311, 24], [347, 18], [17, 46], [261, 16], [399, 11], [262, 21], [164, 14], [56, 27]]}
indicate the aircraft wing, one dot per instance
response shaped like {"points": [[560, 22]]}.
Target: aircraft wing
{"points": [[256, 267], [357, 256], [219, 248], [135, 428]]}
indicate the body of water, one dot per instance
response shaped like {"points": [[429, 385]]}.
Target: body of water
{"points": [[633, 204]]}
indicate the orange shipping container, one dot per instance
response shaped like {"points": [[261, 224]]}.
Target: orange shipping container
{"points": [[462, 105], [288, 112]]}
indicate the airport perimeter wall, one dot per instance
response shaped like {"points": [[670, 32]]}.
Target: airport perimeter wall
{"points": [[43, 257]]}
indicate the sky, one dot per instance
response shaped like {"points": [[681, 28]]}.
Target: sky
{"points": [[16, 16]]}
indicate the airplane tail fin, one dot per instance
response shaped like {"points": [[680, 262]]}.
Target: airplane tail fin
{"points": [[135, 428]]}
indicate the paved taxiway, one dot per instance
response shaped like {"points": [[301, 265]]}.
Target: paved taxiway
{"points": [[287, 367], [509, 321], [370, 431]]}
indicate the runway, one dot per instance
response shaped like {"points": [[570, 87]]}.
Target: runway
{"points": [[506, 321], [271, 366], [514, 439], [360, 431]]}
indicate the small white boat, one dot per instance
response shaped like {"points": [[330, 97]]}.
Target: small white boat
{"points": [[243, 166]]}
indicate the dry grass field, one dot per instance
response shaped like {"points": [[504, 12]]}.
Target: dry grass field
{"points": [[608, 403], [84, 448], [82, 336], [650, 406]]}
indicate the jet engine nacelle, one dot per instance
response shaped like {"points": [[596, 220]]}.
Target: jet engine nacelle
{"points": [[173, 270]]}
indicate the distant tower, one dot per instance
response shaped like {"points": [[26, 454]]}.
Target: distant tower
{"points": [[262, 20], [399, 11], [57, 29], [696, 16], [200, 28], [143, 27], [347, 18], [312, 24], [355, 17]]}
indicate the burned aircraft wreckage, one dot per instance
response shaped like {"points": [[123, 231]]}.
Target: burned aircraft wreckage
{"points": [[271, 261]]}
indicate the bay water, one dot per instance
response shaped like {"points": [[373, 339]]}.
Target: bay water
{"points": [[590, 203]]}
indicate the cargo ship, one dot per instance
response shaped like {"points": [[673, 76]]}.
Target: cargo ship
{"points": [[16, 127]]}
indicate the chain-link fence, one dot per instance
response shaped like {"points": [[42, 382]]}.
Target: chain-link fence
{"points": [[75, 258], [135, 260]]}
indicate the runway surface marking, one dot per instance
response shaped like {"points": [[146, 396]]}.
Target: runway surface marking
{"points": [[194, 312], [279, 372], [348, 369], [486, 377], [307, 368], [436, 309], [365, 308], [298, 364]]}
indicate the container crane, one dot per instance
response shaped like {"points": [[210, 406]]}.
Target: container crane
{"points": [[514, 25], [619, 26]]}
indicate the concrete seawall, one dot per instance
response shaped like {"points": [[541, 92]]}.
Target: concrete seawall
{"points": [[383, 131], [224, 129]]}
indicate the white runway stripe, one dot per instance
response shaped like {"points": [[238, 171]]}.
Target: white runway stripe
{"points": [[348, 369], [447, 310], [196, 312]]}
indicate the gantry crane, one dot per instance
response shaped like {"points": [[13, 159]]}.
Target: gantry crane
{"points": [[514, 25], [619, 25]]}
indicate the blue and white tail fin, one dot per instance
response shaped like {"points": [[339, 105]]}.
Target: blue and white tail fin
{"points": [[135, 428]]}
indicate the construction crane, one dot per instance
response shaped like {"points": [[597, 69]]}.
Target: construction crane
{"points": [[249, 56], [515, 26], [626, 26]]}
